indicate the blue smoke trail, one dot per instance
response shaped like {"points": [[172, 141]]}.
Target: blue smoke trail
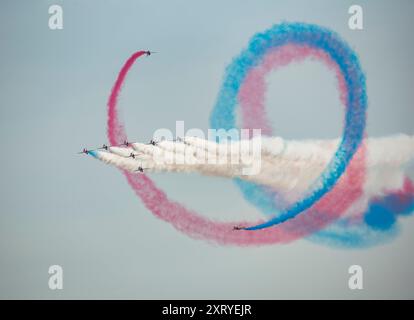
{"points": [[223, 114], [93, 153], [379, 223]]}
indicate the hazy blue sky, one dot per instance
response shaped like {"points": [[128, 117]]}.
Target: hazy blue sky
{"points": [[61, 208]]}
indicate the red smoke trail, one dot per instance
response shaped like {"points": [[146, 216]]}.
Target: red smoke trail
{"points": [[252, 91], [116, 131]]}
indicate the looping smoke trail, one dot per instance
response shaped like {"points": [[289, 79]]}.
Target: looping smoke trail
{"points": [[251, 99], [311, 36], [188, 221], [156, 200], [355, 229], [322, 207]]}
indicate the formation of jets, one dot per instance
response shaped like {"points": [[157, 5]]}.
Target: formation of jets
{"points": [[132, 155], [126, 143]]}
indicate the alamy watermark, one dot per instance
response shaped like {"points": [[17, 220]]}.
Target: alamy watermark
{"points": [[233, 147], [55, 21], [56, 277], [355, 281], [356, 20]]}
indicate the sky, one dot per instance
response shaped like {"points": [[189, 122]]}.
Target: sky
{"points": [[58, 207]]}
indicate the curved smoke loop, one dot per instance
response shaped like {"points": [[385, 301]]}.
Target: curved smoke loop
{"points": [[335, 209]]}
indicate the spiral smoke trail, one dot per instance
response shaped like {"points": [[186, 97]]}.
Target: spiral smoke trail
{"points": [[341, 184]]}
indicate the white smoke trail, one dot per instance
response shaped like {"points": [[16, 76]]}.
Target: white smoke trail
{"points": [[289, 166]]}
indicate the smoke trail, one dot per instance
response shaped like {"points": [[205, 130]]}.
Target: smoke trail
{"points": [[289, 172], [116, 132], [188, 221], [252, 91], [399, 150], [377, 224], [365, 227], [251, 98], [315, 37], [321, 213]]}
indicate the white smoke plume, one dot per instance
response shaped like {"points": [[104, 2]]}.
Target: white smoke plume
{"points": [[289, 166]]}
